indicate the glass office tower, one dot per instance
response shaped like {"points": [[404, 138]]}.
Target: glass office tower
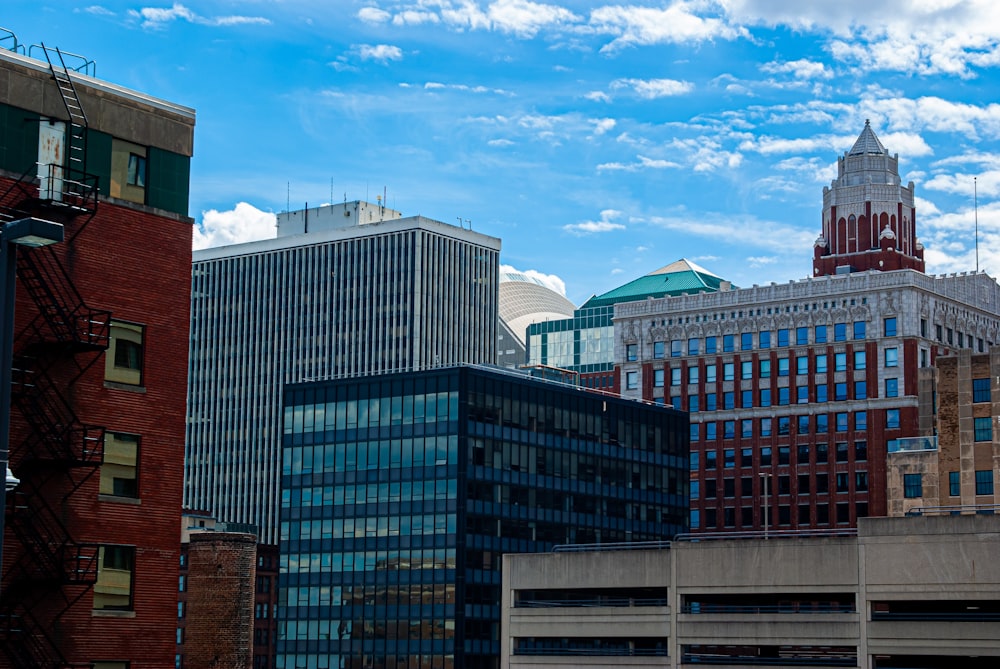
{"points": [[401, 492]]}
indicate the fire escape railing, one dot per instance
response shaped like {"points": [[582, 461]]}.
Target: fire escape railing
{"points": [[49, 570]]}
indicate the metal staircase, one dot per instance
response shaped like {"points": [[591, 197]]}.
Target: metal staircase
{"points": [[64, 185], [53, 453]]}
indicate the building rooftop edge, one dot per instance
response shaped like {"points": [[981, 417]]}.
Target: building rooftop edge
{"points": [[889, 278], [102, 85], [338, 234]]}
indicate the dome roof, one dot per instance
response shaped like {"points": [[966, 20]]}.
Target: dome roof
{"points": [[525, 300]]}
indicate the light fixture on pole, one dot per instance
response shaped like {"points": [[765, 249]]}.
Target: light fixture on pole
{"points": [[31, 232]]}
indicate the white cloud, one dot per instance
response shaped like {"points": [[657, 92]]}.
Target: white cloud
{"points": [[437, 85], [606, 224], [782, 240], [525, 18], [373, 15], [985, 184], [650, 89], [800, 69], [757, 262], [96, 10], [598, 96], [922, 37], [415, 18], [550, 281], [381, 53], [156, 18], [243, 223], [643, 164], [678, 23], [603, 125]]}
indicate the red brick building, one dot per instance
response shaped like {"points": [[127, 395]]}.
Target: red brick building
{"points": [[797, 391], [90, 561]]}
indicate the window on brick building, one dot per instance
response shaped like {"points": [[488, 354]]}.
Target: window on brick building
{"points": [[120, 465], [822, 451], [803, 424], [632, 352], [890, 326], [859, 329], [802, 364], [892, 419], [983, 428], [840, 362], [115, 575], [891, 388], [984, 482], [913, 486], [658, 378], [821, 364], [891, 357], [841, 421], [784, 423], [860, 451], [822, 423], [124, 357], [782, 366], [840, 332], [859, 360], [728, 371], [801, 336], [981, 390], [764, 337], [783, 337], [819, 334], [631, 380], [954, 484], [659, 349], [710, 345], [727, 343], [693, 346], [746, 341], [710, 373]]}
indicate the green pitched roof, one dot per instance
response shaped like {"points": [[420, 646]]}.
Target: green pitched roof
{"points": [[676, 278]]}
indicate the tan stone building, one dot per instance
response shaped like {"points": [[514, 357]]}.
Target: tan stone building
{"points": [[901, 592], [953, 468]]}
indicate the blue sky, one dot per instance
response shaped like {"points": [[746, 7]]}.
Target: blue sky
{"points": [[599, 141]]}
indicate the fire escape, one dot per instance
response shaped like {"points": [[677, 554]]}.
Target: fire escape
{"points": [[52, 451]]}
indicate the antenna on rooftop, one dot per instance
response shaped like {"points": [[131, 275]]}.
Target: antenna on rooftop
{"points": [[975, 200], [288, 196]]}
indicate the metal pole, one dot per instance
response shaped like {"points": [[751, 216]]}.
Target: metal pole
{"points": [[8, 269]]}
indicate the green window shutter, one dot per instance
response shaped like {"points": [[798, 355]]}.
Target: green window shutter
{"points": [[168, 182]]}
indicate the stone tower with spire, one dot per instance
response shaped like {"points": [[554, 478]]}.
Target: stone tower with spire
{"points": [[868, 215]]}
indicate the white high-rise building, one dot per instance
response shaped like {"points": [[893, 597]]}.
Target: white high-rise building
{"points": [[343, 290]]}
